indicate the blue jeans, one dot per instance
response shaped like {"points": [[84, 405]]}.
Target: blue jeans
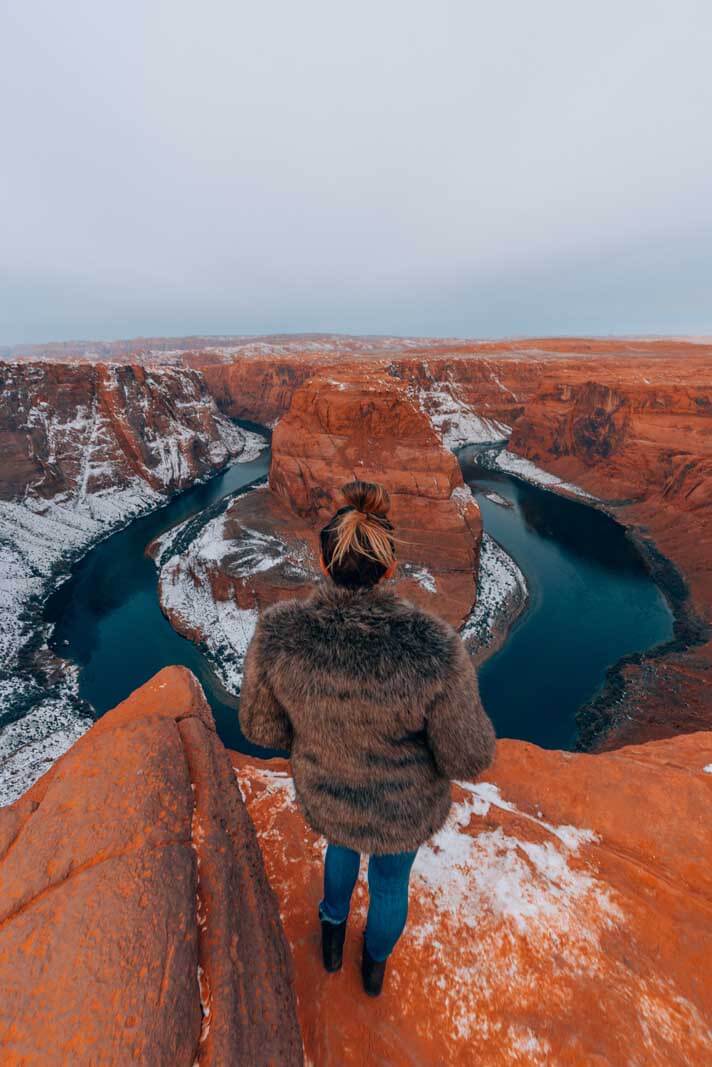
{"points": [[387, 889]]}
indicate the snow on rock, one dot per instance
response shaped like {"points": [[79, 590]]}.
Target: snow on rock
{"points": [[425, 578], [223, 629], [210, 571], [501, 596], [559, 917], [529, 472], [85, 450], [456, 421]]}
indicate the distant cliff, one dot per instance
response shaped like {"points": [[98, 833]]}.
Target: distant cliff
{"points": [[83, 449], [643, 444]]}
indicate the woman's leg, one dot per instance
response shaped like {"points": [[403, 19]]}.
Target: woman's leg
{"points": [[388, 878], [341, 867]]}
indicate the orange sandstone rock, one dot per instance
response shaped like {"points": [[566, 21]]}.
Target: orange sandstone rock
{"points": [[645, 448], [368, 426], [136, 925], [265, 546], [560, 918]]}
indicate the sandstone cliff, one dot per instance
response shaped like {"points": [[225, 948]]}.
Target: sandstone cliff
{"points": [[627, 420], [365, 425], [82, 450], [560, 917], [73, 432], [644, 447], [137, 924], [217, 574]]}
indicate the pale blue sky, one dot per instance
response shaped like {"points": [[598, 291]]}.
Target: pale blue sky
{"points": [[400, 166]]}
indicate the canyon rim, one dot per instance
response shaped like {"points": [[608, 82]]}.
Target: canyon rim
{"points": [[94, 437]]}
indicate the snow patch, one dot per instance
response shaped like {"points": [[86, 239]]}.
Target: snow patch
{"points": [[501, 595], [421, 575], [523, 468], [455, 420], [186, 557], [42, 536]]}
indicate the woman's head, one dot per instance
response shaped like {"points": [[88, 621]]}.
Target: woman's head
{"points": [[357, 545]]}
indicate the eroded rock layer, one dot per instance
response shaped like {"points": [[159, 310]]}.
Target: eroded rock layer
{"points": [[136, 923], [367, 426], [264, 547], [83, 448], [630, 421], [560, 917], [74, 431], [645, 449]]}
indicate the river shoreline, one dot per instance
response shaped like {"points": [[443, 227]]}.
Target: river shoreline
{"points": [[42, 712], [484, 632], [49, 683], [598, 718]]}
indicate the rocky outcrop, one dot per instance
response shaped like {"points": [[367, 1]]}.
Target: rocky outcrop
{"points": [[137, 925], [367, 426], [260, 389], [560, 917], [83, 448], [643, 447], [217, 574], [74, 432]]}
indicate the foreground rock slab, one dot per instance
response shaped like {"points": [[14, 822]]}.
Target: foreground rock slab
{"points": [[561, 917], [136, 922]]}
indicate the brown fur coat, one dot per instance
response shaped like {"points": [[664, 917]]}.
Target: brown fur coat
{"points": [[378, 704]]}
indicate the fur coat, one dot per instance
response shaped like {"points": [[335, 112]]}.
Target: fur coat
{"points": [[377, 702]]}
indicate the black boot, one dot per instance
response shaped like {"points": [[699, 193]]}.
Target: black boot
{"points": [[332, 944], [372, 973]]}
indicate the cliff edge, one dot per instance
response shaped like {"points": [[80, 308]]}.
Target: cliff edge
{"points": [[137, 925], [561, 917]]}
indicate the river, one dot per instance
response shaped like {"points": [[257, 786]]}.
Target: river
{"points": [[591, 601]]}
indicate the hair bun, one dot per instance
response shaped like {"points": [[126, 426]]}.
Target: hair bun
{"points": [[369, 497]]}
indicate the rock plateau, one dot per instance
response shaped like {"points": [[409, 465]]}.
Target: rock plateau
{"points": [[561, 917], [137, 923]]}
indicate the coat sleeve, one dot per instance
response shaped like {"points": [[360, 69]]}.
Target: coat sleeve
{"points": [[263, 720], [459, 731]]}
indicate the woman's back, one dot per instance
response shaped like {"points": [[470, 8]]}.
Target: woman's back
{"points": [[381, 707], [377, 702]]}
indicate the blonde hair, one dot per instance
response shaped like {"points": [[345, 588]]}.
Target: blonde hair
{"points": [[357, 543]]}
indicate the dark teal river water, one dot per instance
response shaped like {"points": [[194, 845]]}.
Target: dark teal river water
{"points": [[591, 602], [108, 620]]}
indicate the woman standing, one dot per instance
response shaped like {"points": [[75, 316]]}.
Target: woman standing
{"points": [[377, 702]]}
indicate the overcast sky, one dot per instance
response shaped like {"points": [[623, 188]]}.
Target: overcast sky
{"points": [[459, 168]]}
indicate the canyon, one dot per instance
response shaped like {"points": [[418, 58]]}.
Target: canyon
{"points": [[626, 423], [264, 547], [561, 880], [160, 895], [84, 450]]}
